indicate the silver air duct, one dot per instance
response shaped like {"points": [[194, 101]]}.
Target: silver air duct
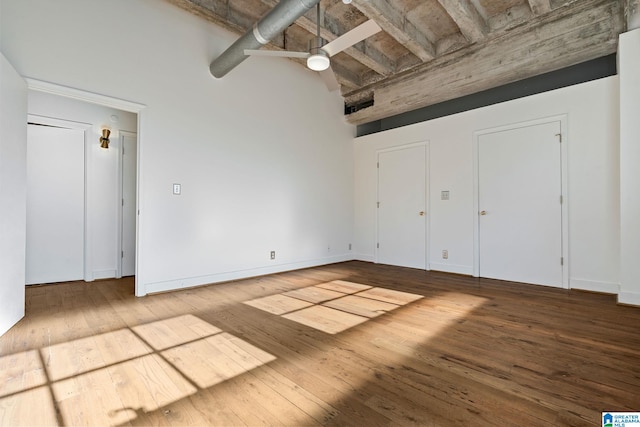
{"points": [[273, 23]]}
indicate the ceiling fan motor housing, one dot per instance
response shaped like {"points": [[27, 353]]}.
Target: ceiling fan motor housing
{"points": [[318, 60]]}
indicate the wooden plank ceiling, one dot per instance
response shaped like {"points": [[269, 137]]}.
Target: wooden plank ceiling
{"points": [[430, 51]]}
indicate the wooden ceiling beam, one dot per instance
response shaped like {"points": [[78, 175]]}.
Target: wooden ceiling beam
{"points": [[345, 77], [393, 22], [216, 11], [472, 25], [632, 14], [540, 7], [585, 30]]}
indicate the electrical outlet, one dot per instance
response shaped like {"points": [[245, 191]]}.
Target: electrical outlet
{"points": [[273, 254], [445, 254]]}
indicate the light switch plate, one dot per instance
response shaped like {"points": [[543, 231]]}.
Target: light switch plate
{"points": [[177, 189], [444, 195]]}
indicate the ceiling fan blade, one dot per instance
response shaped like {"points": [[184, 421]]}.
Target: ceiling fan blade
{"points": [[329, 79], [352, 37], [276, 53]]}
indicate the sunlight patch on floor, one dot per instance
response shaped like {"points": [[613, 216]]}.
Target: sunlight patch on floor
{"points": [[335, 306], [278, 304], [146, 383], [21, 371], [326, 319], [434, 316], [32, 407], [175, 331], [22, 384], [108, 379], [86, 354], [212, 360]]}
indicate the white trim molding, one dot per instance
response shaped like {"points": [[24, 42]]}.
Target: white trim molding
{"points": [[452, 268], [594, 286], [629, 298], [189, 282], [81, 95], [365, 258]]}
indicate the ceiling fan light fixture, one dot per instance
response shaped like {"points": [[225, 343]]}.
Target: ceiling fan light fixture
{"points": [[318, 61]]}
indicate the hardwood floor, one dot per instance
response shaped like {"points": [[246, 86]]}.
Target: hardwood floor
{"points": [[351, 344]]}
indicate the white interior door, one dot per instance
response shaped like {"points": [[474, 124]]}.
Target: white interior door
{"points": [[402, 207], [129, 185], [13, 142], [520, 222], [55, 204]]}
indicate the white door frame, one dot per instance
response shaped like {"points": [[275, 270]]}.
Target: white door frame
{"points": [[119, 197], [84, 127], [119, 104], [427, 229], [563, 119]]}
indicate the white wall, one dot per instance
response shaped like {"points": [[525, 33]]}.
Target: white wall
{"points": [[263, 155], [593, 171], [629, 65], [13, 201], [102, 173]]}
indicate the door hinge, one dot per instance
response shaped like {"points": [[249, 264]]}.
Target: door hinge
{"points": [[561, 260], [122, 202], [378, 165], [561, 199], [559, 135], [123, 151], [378, 203], [121, 254], [378, 245]]}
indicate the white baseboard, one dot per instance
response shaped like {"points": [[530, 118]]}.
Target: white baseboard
{"points": [[629, 298], [104, 274], [189, 282], [364, 257], [594, 286], [11, 320], [452, 268]]}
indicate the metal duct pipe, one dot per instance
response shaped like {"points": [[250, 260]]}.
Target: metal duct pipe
{"points": [[273, 23]]}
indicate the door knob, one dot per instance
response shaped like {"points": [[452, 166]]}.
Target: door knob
{"points": [[483, 212], [421, 213]]}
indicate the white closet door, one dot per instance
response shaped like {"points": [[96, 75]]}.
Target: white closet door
{"points": [[520, 223], [55, 204], [401, 209]]}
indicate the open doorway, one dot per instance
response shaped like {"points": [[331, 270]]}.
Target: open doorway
{"points": [[106, 224]]}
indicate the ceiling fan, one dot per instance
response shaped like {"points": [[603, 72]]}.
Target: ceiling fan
{"points": [[318, 55]]}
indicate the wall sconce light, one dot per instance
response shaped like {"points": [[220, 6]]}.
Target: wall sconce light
{"points": [[104, 139]]}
